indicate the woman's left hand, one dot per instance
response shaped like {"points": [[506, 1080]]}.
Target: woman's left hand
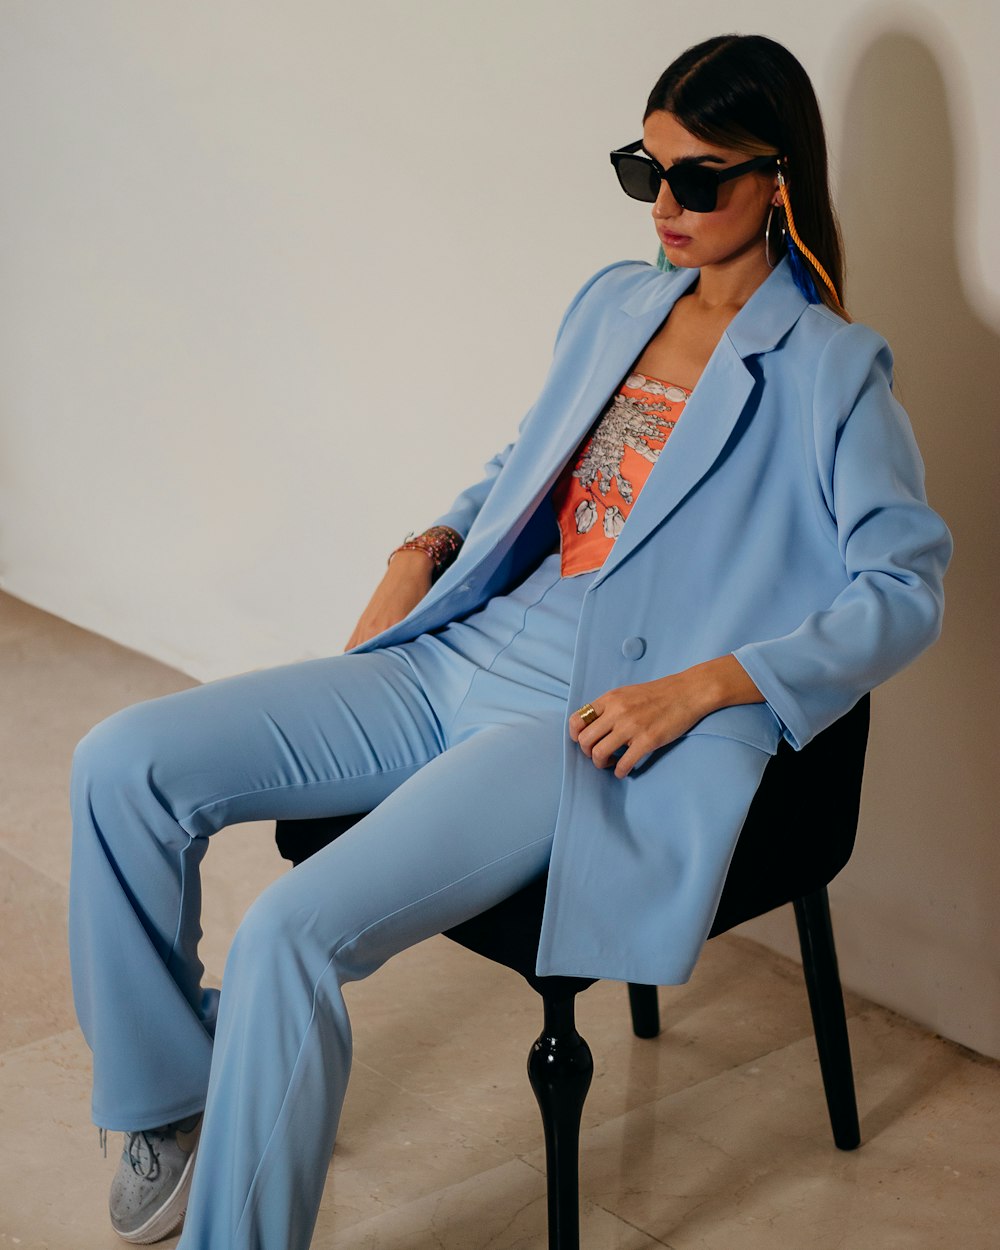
{"points": [[650, 715]]}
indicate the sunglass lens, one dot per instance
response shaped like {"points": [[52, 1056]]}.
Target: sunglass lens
{"points": [[693, 188], [638, 179]]}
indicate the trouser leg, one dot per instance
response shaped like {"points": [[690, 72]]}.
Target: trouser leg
{"points": [[467, 830], [149, 785]]}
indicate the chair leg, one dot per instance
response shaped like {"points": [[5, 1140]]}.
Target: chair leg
{"points": [[826, 999], [645, 1010], [560, 1068]]}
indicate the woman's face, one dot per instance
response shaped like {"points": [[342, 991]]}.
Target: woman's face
{"points": [[735, 228]]}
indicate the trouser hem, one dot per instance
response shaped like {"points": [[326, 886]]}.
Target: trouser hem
{"points": [[143, 1121]]}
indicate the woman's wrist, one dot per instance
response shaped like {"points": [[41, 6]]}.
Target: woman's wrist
{"points": [[723, 682], [440, 544], [410, 562]]}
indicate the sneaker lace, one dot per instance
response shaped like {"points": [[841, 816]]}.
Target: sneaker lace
{"points": [[134, 1153]]}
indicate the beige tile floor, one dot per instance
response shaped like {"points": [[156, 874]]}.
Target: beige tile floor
{"points": [[711, 1137]]}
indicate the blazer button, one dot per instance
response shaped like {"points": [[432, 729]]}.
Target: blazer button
{"points": [[634, 648]]}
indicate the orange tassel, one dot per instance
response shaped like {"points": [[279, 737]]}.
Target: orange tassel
{"points": [[800, 245]]}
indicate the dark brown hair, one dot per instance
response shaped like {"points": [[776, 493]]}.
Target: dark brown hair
{"points": [[749, 93]]}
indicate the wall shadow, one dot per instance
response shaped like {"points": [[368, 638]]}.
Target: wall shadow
{"points": [[927, 819]]}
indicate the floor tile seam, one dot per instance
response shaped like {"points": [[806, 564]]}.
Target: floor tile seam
{"points": [[591, 1202], [49, 1037], [446, 1111], [628, 1223], [360, 1225], [855, 1014], [26, 863], [806, 1039], [759, 1056]]}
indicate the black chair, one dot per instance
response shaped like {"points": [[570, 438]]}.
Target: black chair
{"points": [[798, 835]]}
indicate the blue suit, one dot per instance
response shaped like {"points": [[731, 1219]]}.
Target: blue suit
{"points": [[785, 522]]}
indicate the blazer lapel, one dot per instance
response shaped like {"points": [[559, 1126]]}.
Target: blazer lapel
{"points": [[712, 411], [580, 383], [695, 444], [585, 374]]}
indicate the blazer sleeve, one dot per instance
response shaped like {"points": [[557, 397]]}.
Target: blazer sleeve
{"points": [[465, 508], [895, 548]]}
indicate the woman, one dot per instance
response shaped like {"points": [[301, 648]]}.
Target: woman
{"points": [[779, 561]]}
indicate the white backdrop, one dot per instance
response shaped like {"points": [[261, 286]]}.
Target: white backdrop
{"points": [[279, 278]]}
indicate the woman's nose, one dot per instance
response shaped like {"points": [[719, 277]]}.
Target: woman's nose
{"points": [[665, 205]]}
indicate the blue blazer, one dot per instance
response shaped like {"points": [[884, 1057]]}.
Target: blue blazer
{"points": [[785, 523]]}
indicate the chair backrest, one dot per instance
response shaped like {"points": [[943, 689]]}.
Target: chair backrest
{"points": [[801, 826]]}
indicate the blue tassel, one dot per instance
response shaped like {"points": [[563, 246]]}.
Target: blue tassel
{"points": [[663, 263], [800, 274]]}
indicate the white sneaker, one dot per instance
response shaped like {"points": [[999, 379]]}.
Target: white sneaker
{"points": [[150, 1190]]}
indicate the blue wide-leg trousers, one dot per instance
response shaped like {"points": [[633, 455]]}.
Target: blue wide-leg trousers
{"points": [[453, 742]]}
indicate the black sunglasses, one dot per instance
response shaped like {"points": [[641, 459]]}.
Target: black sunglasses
{"points": [[693, 186]]}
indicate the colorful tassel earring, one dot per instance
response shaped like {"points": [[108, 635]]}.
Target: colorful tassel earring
{"points": [[797, 250]]}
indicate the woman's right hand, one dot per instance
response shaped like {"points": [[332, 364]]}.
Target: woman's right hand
{"points": [[406, 581]]}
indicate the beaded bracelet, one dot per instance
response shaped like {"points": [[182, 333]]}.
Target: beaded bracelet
{"points": [[440, 542]]}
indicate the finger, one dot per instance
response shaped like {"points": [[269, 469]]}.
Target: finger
{"points": [[603, 752], [589, 736], [577, 725], [359, 636], [611, 713], [612, 723], [629, 760]]}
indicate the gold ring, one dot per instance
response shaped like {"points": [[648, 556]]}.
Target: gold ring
{"points": [[588, 713]]}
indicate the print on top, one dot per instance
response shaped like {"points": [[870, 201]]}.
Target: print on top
{"points": [[595, 492]]}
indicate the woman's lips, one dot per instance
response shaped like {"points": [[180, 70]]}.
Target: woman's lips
{"points": [[675, 240]]}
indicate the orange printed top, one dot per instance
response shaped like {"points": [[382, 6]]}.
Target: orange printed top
{"points": [[595, 492]]}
